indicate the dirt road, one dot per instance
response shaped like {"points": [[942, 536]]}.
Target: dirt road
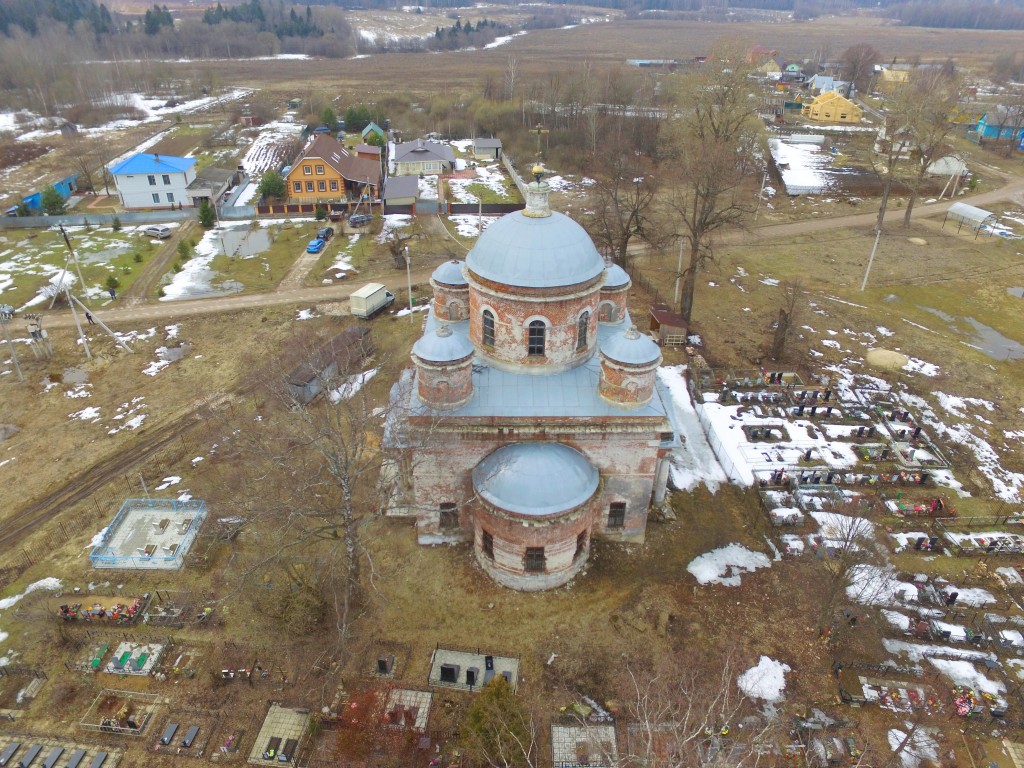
{"points": [[161, 311]]}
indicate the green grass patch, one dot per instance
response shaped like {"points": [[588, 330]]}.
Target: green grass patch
{"points": [[359, 254], [487, 195], [35, 256]]}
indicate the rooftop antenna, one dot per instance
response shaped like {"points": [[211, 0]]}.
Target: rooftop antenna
{"points": [[63, 286]]}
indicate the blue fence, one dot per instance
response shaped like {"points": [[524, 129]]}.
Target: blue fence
{"points": [[105, 556]]}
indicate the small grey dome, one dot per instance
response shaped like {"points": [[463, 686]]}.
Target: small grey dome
{"points": [[617, 277], [536, 479], [450, 273], [535, 252], [442, 346], [631, 348]]}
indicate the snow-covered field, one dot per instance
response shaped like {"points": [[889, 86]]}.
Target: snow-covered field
{"points": [[264, 154]]}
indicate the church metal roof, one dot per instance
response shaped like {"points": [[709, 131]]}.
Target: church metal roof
{"points": [[568, 394], [442, 346], [617, 277], [630, 347], [450, 273], [535, 252], [536, 479]]}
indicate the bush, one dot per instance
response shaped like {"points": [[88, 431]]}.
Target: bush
{"points": [[115, 224], [112, 283], [52, 201], [207, 216], [321, 213], [137, 257], [184, 250]]}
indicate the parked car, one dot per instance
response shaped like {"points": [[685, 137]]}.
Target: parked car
{"points": [[360, 219], [157, 230], [325, 233], [315, 246]]}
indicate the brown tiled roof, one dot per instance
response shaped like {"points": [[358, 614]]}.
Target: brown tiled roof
{"points": [[333, 153]]}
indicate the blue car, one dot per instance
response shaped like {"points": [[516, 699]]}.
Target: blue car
{"points": [[315, 246]]}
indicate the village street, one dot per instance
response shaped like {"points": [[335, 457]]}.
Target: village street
{"points": [[160, 311]]}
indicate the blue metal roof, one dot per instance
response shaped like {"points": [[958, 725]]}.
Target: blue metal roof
{"points": [[616, 277], [442, 346], [630, 347], [535, 252], [146, 163], [569, 394], [536, 479], [450, 273]]}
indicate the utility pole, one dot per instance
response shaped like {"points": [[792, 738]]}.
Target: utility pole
{"points": [[6, 315], [679, 274], [408, 278]]}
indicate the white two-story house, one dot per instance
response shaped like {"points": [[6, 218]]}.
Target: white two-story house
{"points": [[154, 181]]}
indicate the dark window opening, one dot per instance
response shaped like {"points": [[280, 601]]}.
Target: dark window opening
{"points": [[449, 516], [487, 544], [617, 514], [537, 333], [581, 544], [488, 328], [534, 562], [581, 331]]}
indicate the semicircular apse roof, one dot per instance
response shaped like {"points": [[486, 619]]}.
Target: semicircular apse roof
{"points": [[442, 346], [630, 347], [535, 252], [535, 479]]}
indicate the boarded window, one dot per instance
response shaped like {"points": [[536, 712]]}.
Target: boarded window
{"points": [[487, 544], [617, 514], [449, 516], [581, 331], [535, 338], [534, 560], [488, 328]]}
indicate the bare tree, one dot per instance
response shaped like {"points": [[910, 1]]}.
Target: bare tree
{"points": [[923, 106], [792, 292], [511, 75], [499, 730], [398, 238], [859, 64], [687, 715], [620, 204], [311, 478], [711, 144]]}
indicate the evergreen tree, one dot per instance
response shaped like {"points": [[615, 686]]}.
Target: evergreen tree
{"points": [[207, 216], [52, 201]]}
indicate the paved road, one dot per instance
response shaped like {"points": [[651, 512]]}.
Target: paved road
{"points": [[161, 311]]}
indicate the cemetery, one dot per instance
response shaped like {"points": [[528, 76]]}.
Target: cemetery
{"points": [[150, 534]]}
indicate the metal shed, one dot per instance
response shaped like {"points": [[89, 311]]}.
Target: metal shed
{"points": [[975, 218]]}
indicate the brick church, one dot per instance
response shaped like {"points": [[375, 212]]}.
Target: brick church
{"points": [[531, 420]]}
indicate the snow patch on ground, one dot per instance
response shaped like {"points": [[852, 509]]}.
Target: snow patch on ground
{"points": [[726, 564], [352, 385], [766, 681], [50, 583]]}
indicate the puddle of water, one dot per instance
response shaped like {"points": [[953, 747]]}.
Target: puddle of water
{"points": [[985, 339], [75, 376], [1018, 292], [244, 243]]}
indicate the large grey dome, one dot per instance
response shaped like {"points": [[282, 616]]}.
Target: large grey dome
{"points": [[535, 479], [630, 347], [535, 252], [442, 346]]}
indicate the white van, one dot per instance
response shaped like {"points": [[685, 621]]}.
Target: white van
{"points": [[158, 231]]}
